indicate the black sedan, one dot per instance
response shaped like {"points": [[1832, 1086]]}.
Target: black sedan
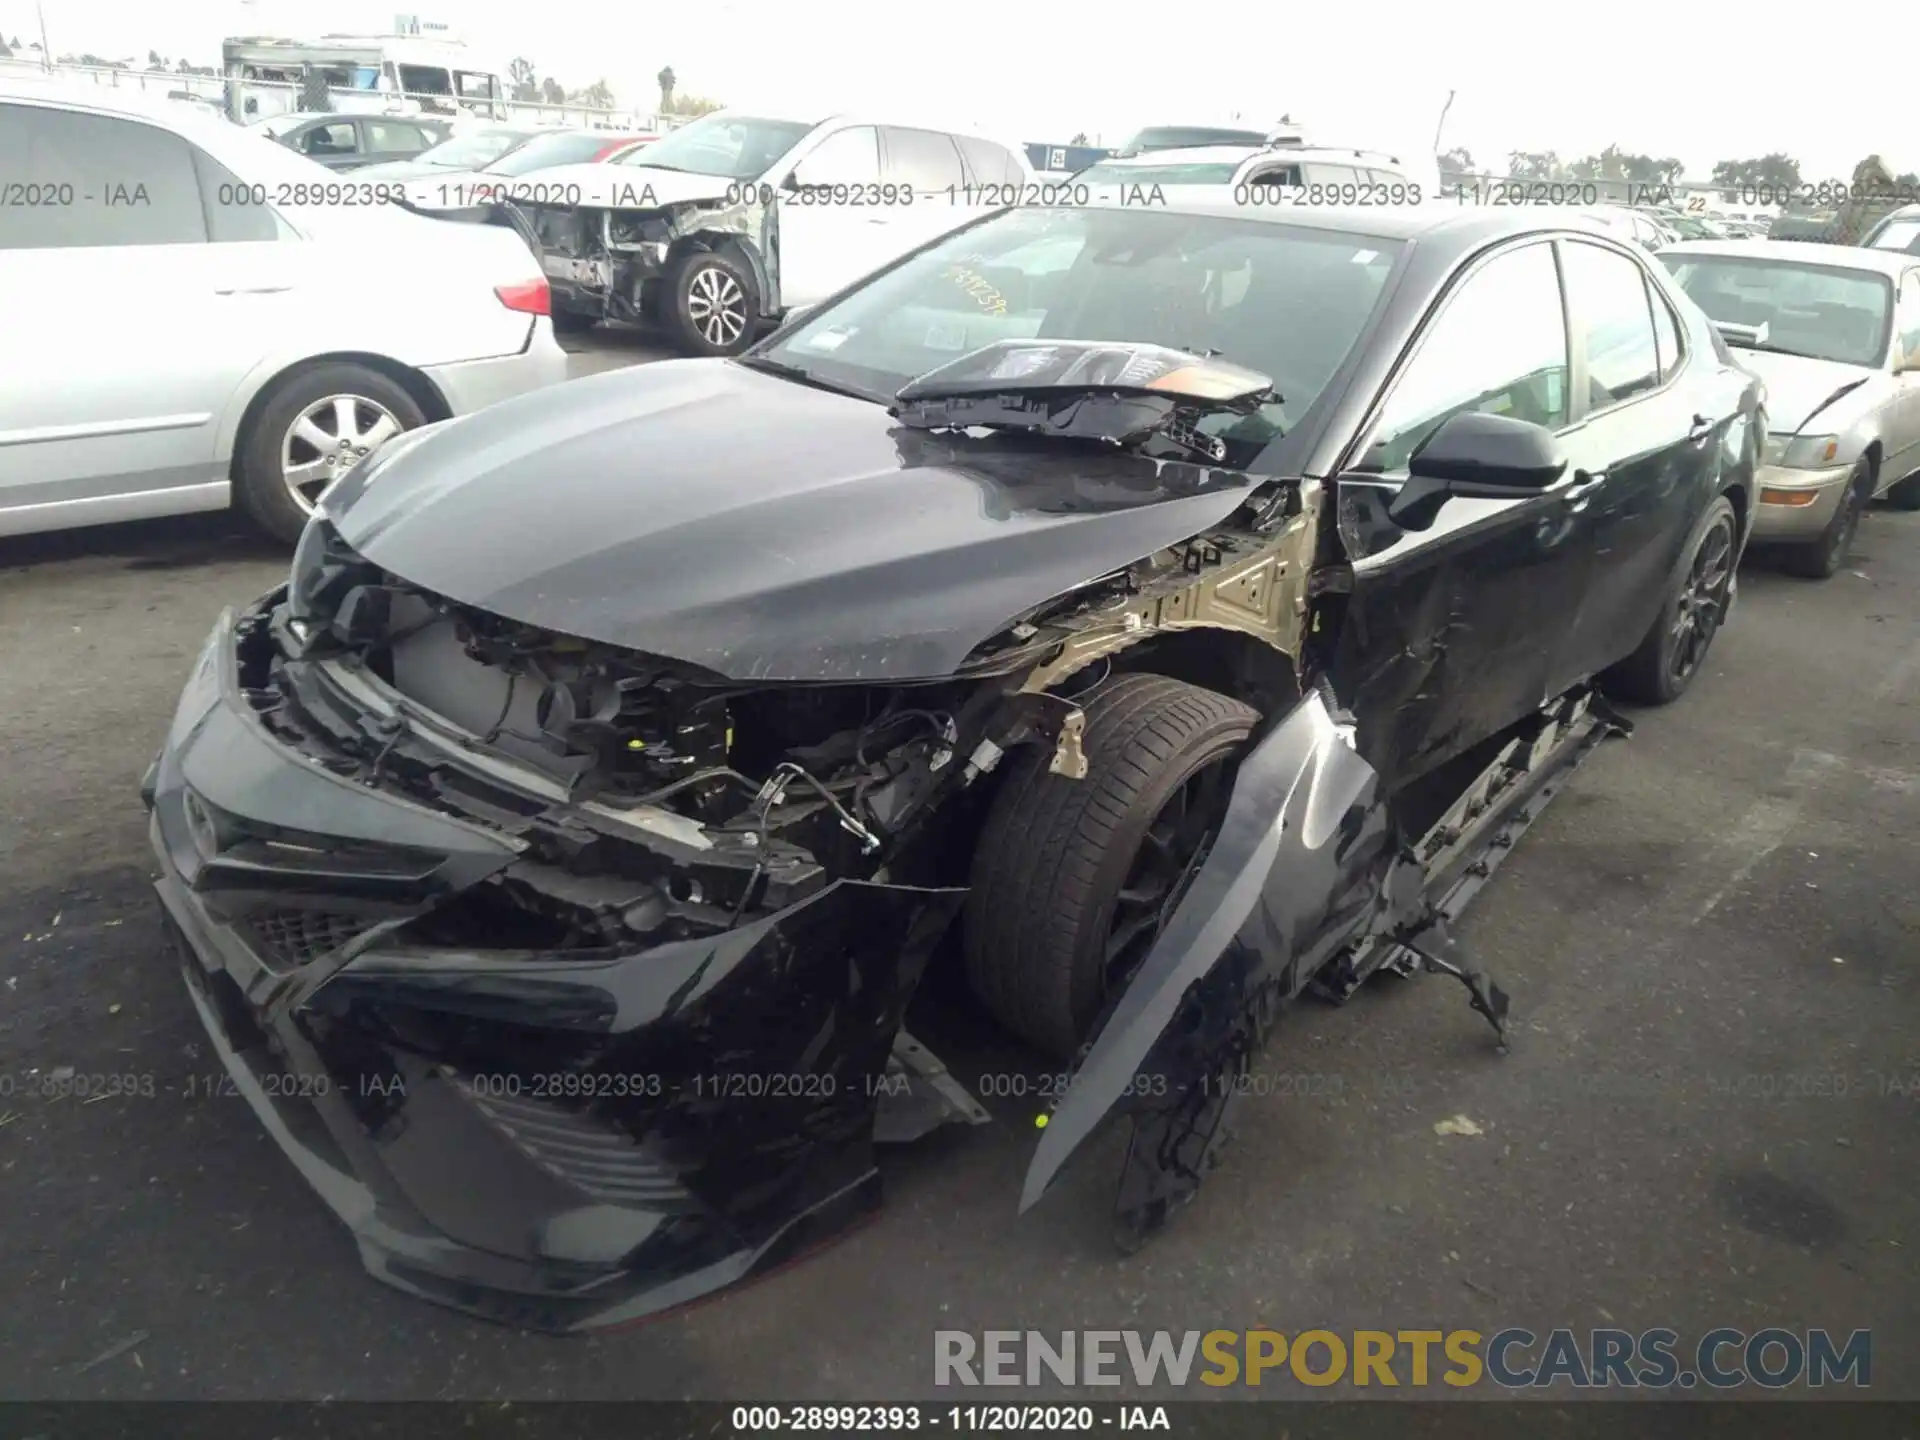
{"points": [[1148, 612]]}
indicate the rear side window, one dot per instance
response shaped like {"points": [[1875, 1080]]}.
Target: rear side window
{"points": [[388, 136], [96, 180], [1613, 318], [925, 159], [991, 164]]}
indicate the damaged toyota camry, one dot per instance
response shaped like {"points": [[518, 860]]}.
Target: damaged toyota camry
{"points": [[1153, 614]]}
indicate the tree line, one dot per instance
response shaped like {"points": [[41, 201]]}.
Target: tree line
{"points": [[1775, 174]]}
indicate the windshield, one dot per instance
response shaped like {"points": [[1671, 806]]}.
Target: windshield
{"points": [[1125, 174], [473, 150], [565, 148], [738, 147], [1285, 301], [1179, 137], [1813, 310], [1901, 235]]}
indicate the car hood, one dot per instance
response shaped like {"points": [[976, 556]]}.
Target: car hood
{"points": [[757, 527], [1796, 386], [637, 187]]}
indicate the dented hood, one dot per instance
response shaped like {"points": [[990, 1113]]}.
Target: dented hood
{"points": [[756, 526], [1802, 391]]}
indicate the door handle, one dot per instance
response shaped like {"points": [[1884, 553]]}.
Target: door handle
{"points": [[1586, 485], [256, 290], [1702, 427]]}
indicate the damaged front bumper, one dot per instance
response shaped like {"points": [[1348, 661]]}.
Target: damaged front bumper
{"points": [[558, 1140]]}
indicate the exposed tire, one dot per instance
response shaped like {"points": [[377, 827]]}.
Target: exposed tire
{"points": [[1905, 495], [572, 322], [336, 411], [1674, 649], [710, 304], [1821, 558], [1071, 878]]}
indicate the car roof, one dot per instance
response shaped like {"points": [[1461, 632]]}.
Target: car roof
{"points": [[1238, 154], [1801, 252], [1469, 226]]}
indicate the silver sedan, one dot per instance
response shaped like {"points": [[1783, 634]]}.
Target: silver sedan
{"points": [[1834, 331]]}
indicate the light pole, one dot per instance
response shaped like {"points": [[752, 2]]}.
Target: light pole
{"points": [[1442, 125]]}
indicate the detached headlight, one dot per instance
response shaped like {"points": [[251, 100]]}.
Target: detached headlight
{"points": [[1802, 452]]}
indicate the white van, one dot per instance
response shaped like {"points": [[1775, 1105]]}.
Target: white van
{"points": [[365, 74]]}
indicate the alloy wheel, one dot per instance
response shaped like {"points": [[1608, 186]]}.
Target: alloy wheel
{"points": [[1170, 855], [1702, 601], [716, 305], [326, 440]]}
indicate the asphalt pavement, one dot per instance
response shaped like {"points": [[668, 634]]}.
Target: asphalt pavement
{"points": [[1708, 1117]]}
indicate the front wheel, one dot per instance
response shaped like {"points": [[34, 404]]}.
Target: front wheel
{"points": [[711, 304], [1821, 558], [1661, 669], [1073, 879]]}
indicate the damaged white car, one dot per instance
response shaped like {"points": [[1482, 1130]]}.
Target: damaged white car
{"points": [[733, 220]]}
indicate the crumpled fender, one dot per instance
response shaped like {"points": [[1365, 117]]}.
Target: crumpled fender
{"points": [[1298, 865]]}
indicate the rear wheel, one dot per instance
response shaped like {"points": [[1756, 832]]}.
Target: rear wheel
{"points": [[710, 303], [1664, 665], [1821, 558], [1073, 879], [315, 425]]}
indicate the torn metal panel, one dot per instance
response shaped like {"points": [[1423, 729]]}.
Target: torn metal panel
{"points": [[1297, 864]]}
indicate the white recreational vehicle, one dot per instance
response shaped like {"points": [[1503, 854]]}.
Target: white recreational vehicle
{"points": [[364, 74]]}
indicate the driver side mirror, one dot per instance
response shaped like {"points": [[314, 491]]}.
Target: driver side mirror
{"points": [[1476, 456]]}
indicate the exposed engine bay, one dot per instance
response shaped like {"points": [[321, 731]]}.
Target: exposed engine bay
{"points": [[660, 802]]}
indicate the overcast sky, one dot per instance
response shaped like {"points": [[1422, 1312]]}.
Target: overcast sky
{"points": [[1648, 75]]}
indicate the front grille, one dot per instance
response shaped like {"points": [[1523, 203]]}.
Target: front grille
{"points": [[292, 938], [592, 1157]]}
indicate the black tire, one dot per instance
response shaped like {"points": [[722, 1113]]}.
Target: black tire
{"points": [[572, 322], [693, 285], [1055, 853], [1667, 659], [1905, 495], [1821, 558], [260, 484]]}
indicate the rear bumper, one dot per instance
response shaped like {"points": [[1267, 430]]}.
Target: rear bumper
{"points": [[478, 1177], [471, 385], [1796, 504]]}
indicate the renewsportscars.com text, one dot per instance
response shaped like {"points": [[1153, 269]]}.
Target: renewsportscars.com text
{"points": [[1514, 1358]]}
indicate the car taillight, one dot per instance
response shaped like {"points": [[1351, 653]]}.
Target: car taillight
{"points": [[530, 297]]}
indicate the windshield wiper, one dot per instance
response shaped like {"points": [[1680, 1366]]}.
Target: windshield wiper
{"points": [[803, 376]]}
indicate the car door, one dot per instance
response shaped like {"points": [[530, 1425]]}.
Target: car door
{"points": [[822, 241], [1451, 633], [127, 294], [1903, 419], [1645, 448]]}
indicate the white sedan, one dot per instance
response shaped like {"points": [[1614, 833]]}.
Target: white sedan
{"points": [[201, 316]]}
